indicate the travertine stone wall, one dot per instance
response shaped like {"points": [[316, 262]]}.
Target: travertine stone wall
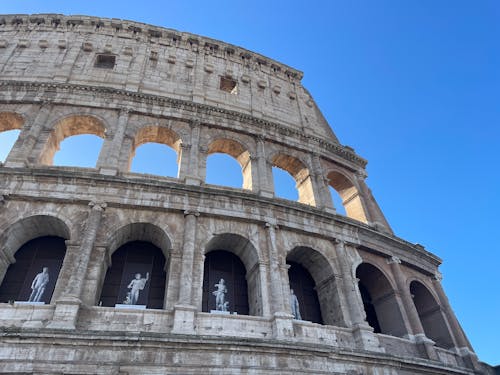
{"points": [[164, 87]]}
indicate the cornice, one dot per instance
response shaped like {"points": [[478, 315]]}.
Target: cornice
{"points": [[345, 153]]}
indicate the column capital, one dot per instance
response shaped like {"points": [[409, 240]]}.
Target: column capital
{"points": [[185, 146], [203, 149], [393, 260], [270, 225], [438, 277], [3, 199], [194, 123], [361, 174], [191, 212], [98, 206]]}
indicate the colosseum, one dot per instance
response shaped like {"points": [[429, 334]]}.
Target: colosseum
{"points": [[106, 271]]}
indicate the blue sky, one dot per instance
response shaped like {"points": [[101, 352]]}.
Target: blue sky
{"points": [[413, 86]]}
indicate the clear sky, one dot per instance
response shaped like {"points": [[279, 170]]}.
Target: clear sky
{"points": [[413, 86]]}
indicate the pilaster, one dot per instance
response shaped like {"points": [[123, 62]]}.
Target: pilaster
{"points": [[108, 162]]}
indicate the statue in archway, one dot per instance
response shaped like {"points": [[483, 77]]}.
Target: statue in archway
{"points": [[38, 285], [294, 303], [220, 296], [136, 285]]}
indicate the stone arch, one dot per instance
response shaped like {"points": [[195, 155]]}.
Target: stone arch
{"points": [[431, 315], [244, 250], [325, 286], [10, 121], [27, 230], [156, 134], [349, 194], [67, 127], [136, 248], [300, 173], [239, 152], [382, 309]]}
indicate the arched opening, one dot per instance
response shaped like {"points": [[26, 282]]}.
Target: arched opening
{"points": [[156, 150], [304, 288], [10, 125], [284, 185], [312, 279], [7, 140], [33, 276], [431, 316], [221, 169], [233, 258], [136, 277], [379, 300], [79, 151], [300, 173], [351, 200], [337, 201], [69, 127], [223, 266]]}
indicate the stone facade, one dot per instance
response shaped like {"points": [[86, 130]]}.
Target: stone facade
{"points": [[131, 83]]}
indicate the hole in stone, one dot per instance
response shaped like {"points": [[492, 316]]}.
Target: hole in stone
{"points": [[105, 61], [228, 85]]}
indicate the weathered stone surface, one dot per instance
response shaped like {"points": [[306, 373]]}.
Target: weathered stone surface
{"points": [[132, 83]]}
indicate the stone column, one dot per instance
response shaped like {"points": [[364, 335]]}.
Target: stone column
{"points": [[184, 311], [108, 158], [282, 323], [363, 333], [425, 345], [464, 348], [189, 170], [173, 276], [264, 171], [68, 305], [6, 260], [22, 151], [373, 212], [264, 282], [320, 184]]}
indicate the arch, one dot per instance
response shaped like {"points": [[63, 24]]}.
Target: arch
{"points": [[140, 231], [67, 127], [136, 276], [351, 200], [239, 152], [324, 286], [379, 300], [32, 277], [156, 134], [31, 227], [431, 316], [224, 246], [10, 121], [300, 173], [125, 246]]}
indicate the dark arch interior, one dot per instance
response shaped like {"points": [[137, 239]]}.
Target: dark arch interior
{"points": [[31, 258], [371, 314], [136, 257], [430, 315], [221, 264], [304, 288]]}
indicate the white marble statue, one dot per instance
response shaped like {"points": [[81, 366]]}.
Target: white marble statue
{"points": [[220, 295], [38, 285], [135, 286], [294, 303]]}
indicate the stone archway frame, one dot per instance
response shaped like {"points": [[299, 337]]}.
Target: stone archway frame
{"points": [[156, 134], [71, 125], [323, 274], [245, 250], [384, 298], [349, 193], [300, 172]]}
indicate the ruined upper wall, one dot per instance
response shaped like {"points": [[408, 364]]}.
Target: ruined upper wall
{"points": [[158, 61]]}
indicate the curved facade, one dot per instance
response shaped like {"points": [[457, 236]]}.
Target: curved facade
{"points": [[134, 289]]}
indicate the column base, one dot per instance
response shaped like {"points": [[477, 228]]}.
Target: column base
{"points": [[65, 313], [266, 193], [425, 346], [108, 171], [470, 358], [184, 320], [366, 339], [283, 326], [190, 180]]}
